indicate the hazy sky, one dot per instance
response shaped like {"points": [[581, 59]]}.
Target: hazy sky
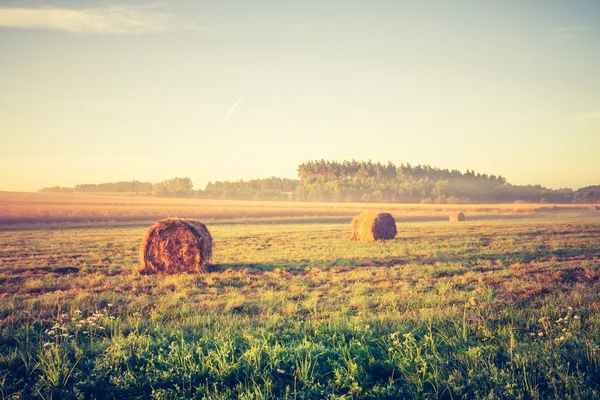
{"points": [[96, 91]]}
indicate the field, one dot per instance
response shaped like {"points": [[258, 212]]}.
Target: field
{"points": [[504, 305], [34, 208]]}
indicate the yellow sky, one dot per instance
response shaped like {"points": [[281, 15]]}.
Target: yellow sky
{"points": [[99, 91]]}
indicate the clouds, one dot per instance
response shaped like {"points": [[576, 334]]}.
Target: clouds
{"points": [[573, 31], [229, 113], [109, 20], [588, 116]]}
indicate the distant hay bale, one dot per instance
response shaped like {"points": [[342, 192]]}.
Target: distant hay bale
{"points": [[175, 245], [457, 217], [371, 226]]}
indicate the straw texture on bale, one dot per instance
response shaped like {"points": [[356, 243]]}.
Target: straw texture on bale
{"points": [[457, 216], [175, 245], [371, 226]]}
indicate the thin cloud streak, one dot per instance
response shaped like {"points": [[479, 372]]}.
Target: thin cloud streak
{"points": [[110, 20], [571, 31], [589, 116], [229, 113]]}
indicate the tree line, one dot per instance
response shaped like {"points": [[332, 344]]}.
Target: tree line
{"points": [[368, 181], [360, 181], [176, 187]]}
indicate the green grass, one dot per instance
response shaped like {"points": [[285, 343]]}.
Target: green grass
{"points": [[490, 308]]}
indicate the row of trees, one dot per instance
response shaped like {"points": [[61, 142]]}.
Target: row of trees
{"points": [[179, 187], [256, 189], [362, 170], [360, 181], [368, 181]]}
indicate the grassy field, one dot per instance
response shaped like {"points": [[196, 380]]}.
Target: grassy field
{"points": [[505, 305]]}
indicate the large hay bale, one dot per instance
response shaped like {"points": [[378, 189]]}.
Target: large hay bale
{"points": [[370, 226], [175, 245], [457, 217]]}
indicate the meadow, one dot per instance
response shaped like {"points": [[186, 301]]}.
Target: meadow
{"points": [[504, 305]]}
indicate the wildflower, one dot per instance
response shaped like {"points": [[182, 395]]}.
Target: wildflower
{"points": [[570, 308], [540, 334], [109, 305], [562, 338], [576, 317], [188, 356]]}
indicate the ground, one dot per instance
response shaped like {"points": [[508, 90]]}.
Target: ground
{"points": [[504, 305]]}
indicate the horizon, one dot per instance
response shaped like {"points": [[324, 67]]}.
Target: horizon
{"points": [[101, 91], [203, 187]]}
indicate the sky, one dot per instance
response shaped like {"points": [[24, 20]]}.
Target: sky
{"points": [[100, 91]]}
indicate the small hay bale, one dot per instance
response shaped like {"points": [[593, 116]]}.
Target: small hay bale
{"points": [[457, 217], [175, 245], [371, 226]]}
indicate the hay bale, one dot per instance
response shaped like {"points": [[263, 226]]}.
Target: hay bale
{"points": [[371, 226], [457, 217], [175, 245]]}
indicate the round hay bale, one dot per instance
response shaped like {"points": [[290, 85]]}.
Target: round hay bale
{"points": [[457, 217], [371, 226], [175, 245]]}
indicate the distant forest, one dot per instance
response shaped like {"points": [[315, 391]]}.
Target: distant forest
{"points": [[359, 181]]}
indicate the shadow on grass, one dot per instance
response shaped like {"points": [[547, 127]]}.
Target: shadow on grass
{"points": [[486, 238], [470, 262]]}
